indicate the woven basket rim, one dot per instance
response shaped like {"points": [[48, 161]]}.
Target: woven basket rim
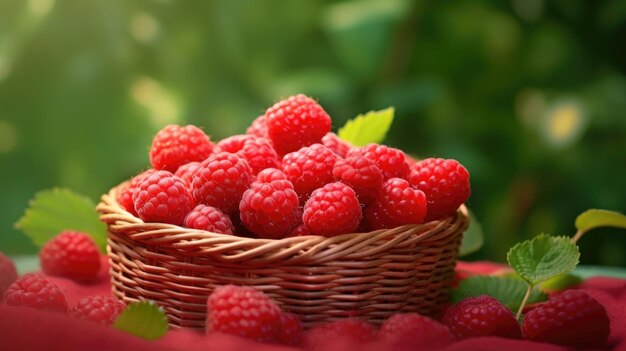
{"points": [[200, 242]]}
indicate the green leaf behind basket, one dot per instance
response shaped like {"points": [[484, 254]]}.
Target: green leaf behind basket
{"points": [[369, 128], [53, 211]]}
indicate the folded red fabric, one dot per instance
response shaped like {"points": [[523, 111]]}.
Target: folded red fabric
{"points": [[27, 329]]}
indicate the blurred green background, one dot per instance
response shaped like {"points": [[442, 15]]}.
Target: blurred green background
{"points": [[529, 94]]}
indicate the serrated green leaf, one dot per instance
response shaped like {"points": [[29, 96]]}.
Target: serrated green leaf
{"points": [[596, 218], [56, 210], [143, 319], [560, 282], [543, 257], [509, 290], [371, 127], [473, 238]]}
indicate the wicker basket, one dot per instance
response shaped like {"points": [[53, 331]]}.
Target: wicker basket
{"points": [[365, 275]]}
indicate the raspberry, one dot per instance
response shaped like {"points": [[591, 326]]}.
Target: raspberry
{"points": [[291, 330], [332, 210], [445, 183], [98, 308], [397, 204], [173, 146], [221, 180], [270, 209], [233, 143], [572, 319], [296, 122], [404, 329], [245, 312], [8, 273], [163, 197], [210, 219], [481, 316], [269, 174], [351, 330], [258, 127], [338, 146], [187, 171], [71, 255], [391, 161], [300, 230], [309, 168], [33, 290], [259, 154], [125, 197], [362, 175]]}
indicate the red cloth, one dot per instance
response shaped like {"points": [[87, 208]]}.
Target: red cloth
{"points": [[27, 329]]}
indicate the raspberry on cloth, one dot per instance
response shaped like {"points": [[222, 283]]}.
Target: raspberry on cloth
{"points": [[28, 329]]}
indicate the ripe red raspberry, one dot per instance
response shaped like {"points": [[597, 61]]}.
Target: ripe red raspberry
{"points": [[300, 230], [296, 122], [445, 183], [186, 172], [481, 316], [391, 161], [291, 330], [269, 210], [71, 255], [210, 219], [233, 143], [221, 180], [33, 290], [572, 319], [125, 197], [309, 168], [269, 174], [397, 204], [332, 210], [243, 311], [163, 197], [332, 141], [258, 127], [259, 154], [173, 146], [362, 175], [8, 273], [350, 330], [410, 329], [99, 309]]}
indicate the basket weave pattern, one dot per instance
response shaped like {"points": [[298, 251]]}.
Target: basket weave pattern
{"points": [[366, 275]]}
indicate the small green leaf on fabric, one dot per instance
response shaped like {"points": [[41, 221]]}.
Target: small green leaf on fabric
{"points": [[595, 218], [507, 289], [473, 238], [56, 210], [560, 282], [543, 257], [369, 128], [143, 319]]}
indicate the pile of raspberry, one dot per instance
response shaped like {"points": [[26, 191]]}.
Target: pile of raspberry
{"points": [[289, 175]]}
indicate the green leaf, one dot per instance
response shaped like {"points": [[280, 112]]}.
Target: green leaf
{"points": [[543, 257], [560, 282], [509, 290], [473, 238], [595, 218], [371, 127], [56, 210], [143, 319]]}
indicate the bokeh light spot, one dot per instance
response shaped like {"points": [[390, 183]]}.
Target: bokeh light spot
{"points": [[144, 28], [162, 107], [8, 137], [564, 123], [40, 7]]}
